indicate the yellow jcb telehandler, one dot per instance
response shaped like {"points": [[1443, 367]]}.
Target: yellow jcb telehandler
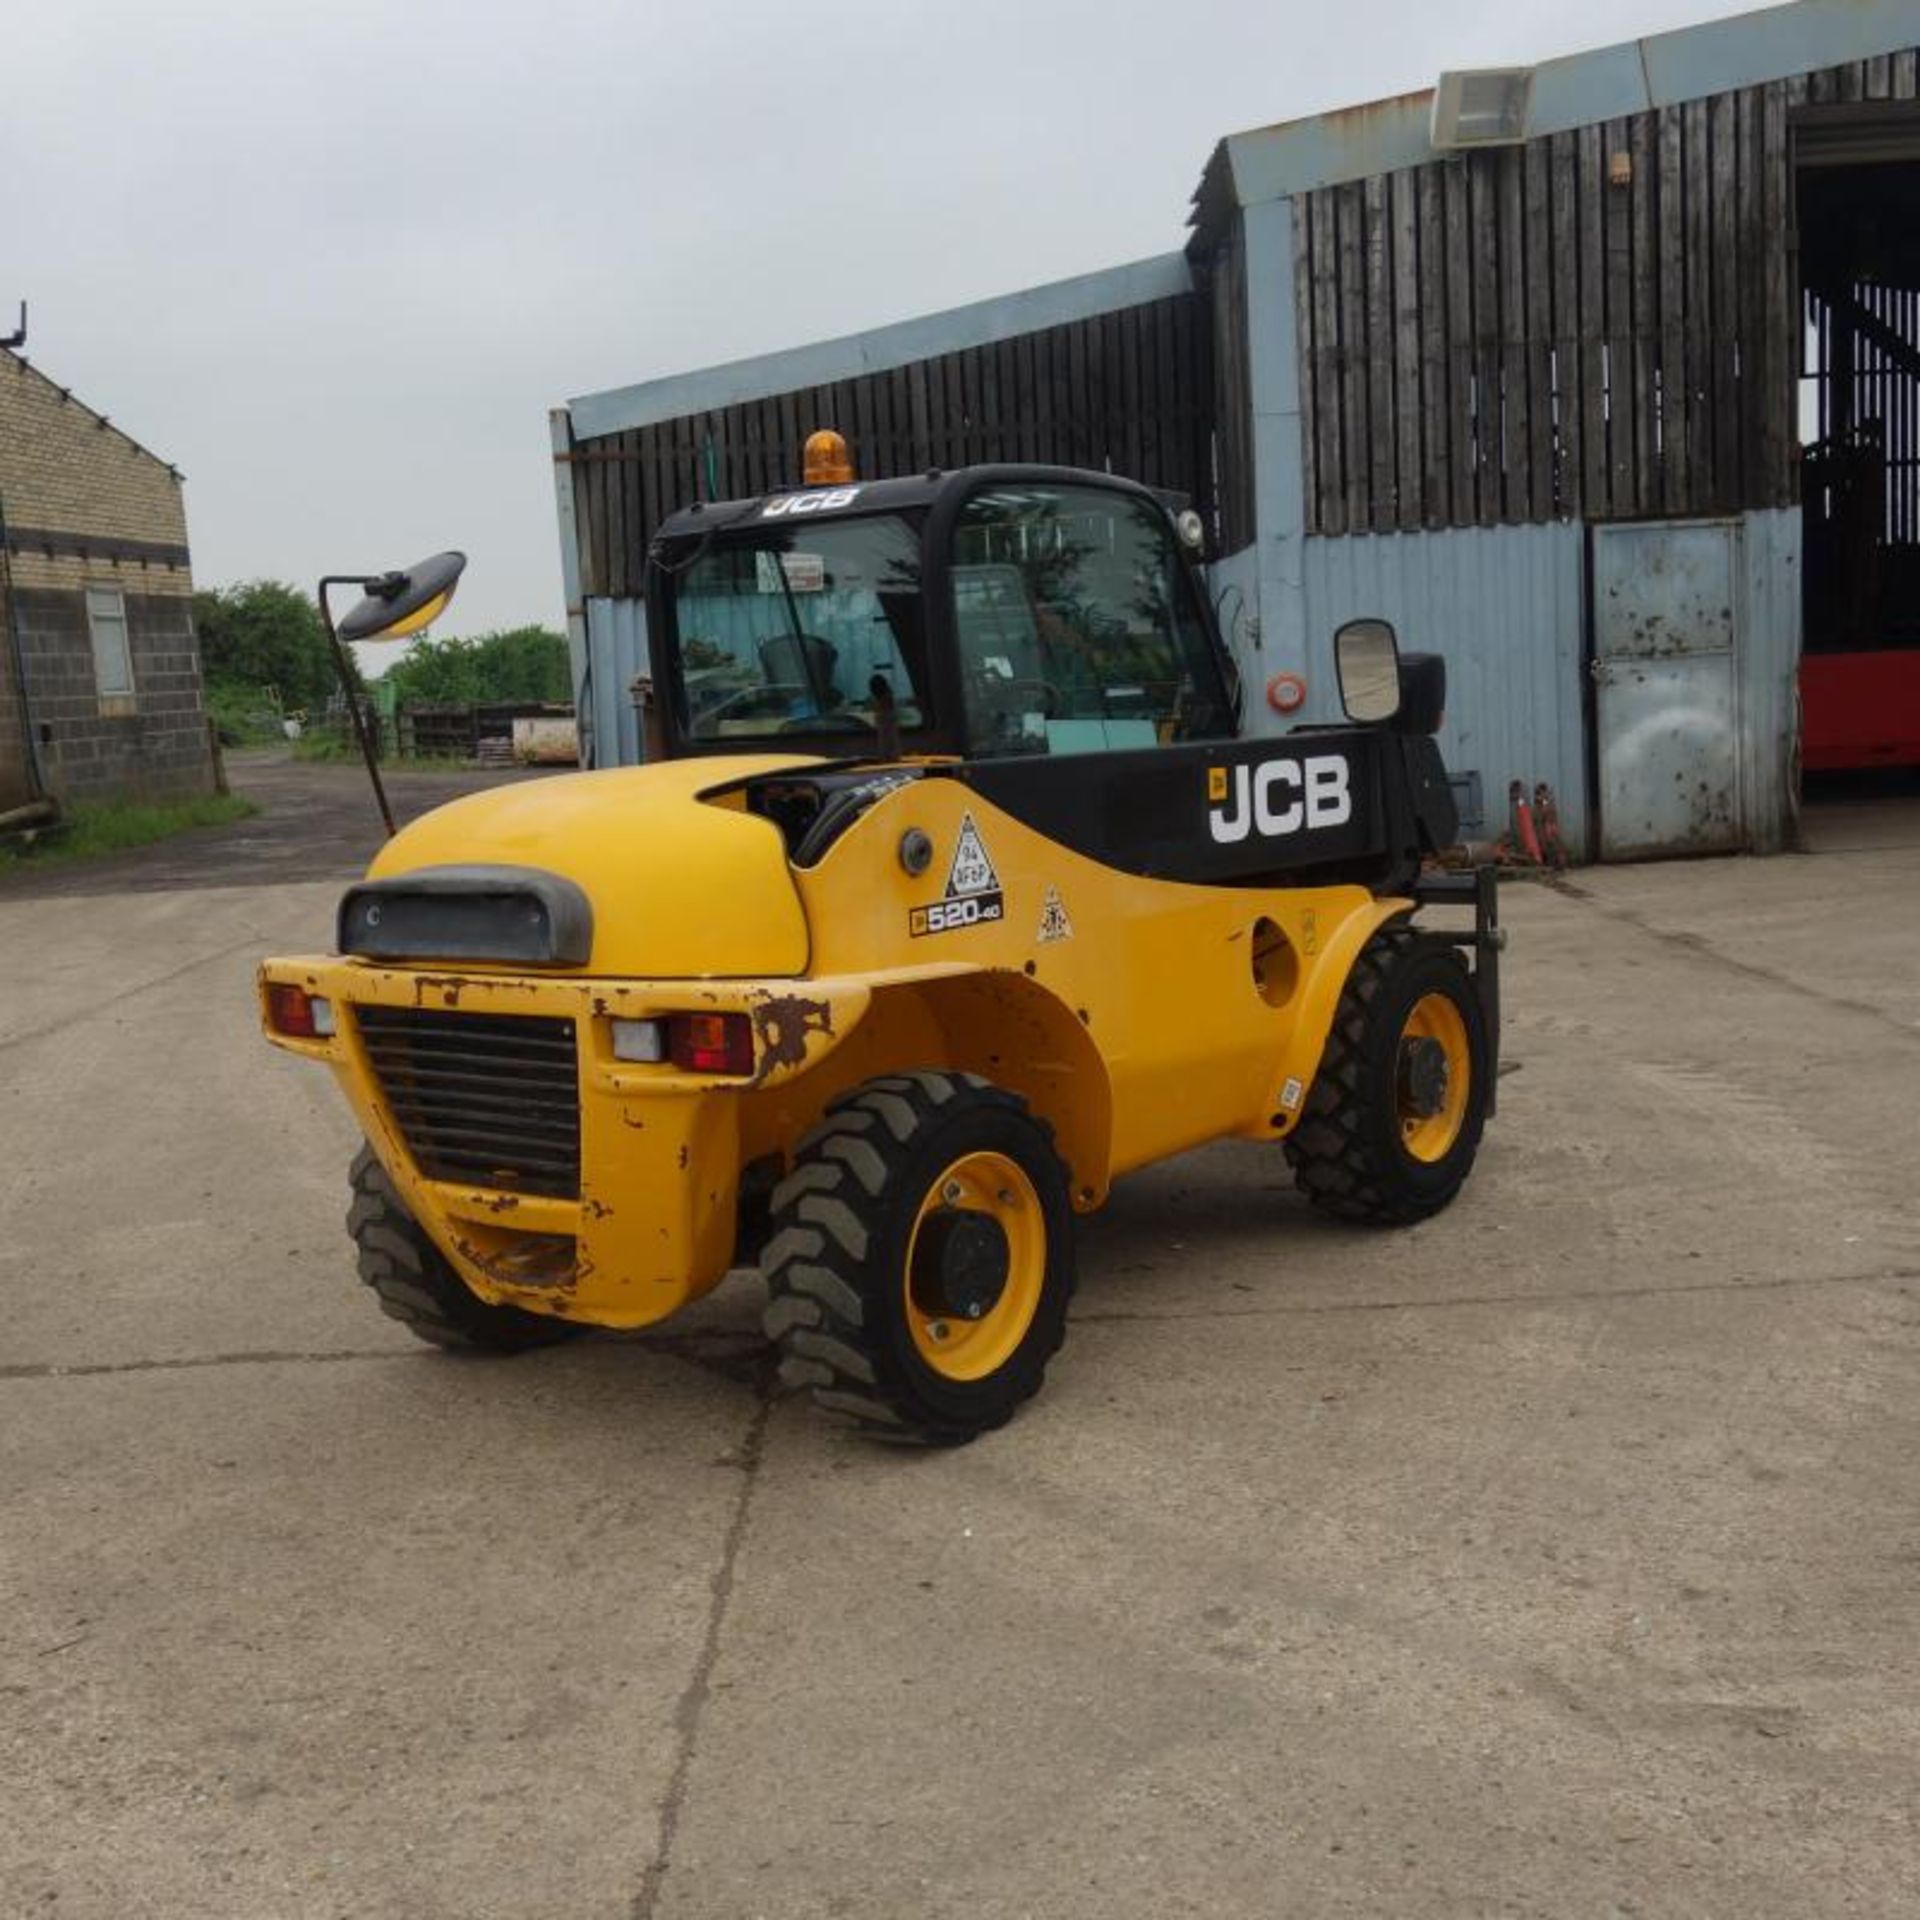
{"points": [[950, 891]]}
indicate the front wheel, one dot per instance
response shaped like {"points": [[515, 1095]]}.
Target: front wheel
{"points": [[921, 1258], [1395, 1116]]}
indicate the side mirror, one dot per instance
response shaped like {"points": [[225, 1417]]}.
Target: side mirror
{"points": [[1366, 656], [398, 604]]}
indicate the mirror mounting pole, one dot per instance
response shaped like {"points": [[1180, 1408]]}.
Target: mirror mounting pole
{"points": [[366, 582]]}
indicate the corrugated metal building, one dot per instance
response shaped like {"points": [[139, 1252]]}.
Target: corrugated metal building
{"points": [[1524, 365]]}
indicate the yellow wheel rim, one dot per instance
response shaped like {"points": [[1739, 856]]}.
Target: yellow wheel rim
{"points": [[1430, 1118], [976, 1264]]}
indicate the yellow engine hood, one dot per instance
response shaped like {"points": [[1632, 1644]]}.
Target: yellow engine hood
{"points": [[680, 887]]}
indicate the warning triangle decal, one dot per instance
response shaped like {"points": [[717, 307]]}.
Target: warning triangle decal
{"points": [[1054, 924], [972, 869]]}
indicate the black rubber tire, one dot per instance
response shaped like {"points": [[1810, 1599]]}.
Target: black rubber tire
{"points": [[414, 1284], [1347, 1155], [835, 1265]]}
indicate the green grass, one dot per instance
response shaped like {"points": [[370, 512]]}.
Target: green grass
{"points": [[92, 829]]}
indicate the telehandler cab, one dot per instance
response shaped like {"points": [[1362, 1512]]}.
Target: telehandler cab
{"points": [[950, 891]]}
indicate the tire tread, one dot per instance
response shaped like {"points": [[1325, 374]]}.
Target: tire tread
{"points": [[830, 1212], [1334, 1161]]}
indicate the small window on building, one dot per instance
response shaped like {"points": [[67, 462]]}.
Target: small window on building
{"points": [[112, 658]]}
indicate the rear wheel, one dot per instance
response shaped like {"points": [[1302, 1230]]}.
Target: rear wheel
{"points": [[414, 1284], [1395, 1116], [921, 1258]]}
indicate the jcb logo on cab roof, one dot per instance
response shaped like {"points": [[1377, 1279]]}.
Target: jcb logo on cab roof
{"points": [[1279, 797], [822, 501]]}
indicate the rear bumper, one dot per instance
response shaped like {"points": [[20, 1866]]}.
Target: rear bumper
{"points": [[653, 1221]]}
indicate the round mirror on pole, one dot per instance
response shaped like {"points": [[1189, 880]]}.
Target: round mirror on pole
{"points": [[404, 603]]}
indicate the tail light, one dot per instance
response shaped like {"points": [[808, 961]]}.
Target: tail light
{"points": [[298, 1014], [710, 1042]]}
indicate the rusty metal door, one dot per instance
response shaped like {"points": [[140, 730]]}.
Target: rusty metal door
{"points": [[1665, 621]]}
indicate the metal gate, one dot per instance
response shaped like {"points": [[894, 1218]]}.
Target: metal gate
{"points": [[1665, 619]]}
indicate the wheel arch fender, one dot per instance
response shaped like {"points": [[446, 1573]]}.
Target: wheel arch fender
{"points": [[1010, 1030], [1320, 991]]}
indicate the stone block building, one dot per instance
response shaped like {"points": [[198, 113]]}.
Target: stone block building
{"points": [[100, 684]]}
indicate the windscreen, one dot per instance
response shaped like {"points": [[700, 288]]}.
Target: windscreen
{"points": [[783, 628]]}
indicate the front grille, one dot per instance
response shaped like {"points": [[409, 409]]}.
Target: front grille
{"points": [[492, 1100]]}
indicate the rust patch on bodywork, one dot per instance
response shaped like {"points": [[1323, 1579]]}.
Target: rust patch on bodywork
{"points": [[549, 1261], [781, 1024], [447, 987]]}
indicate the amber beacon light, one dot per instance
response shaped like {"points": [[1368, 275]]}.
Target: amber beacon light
{"points": [[825, 461]]}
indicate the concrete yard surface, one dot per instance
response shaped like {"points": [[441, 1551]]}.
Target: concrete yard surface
{"points": [[1558, 1557]]}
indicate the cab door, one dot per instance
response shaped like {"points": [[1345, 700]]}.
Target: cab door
{"points": [[1075, 624]]}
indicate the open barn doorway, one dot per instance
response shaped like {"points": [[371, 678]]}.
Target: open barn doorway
{"points": [[1857, 178]]}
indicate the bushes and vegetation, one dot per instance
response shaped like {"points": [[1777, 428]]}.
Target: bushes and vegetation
{"points": [[518, 664], [265, 656]]}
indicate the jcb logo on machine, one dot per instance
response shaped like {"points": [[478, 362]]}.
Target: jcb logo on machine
{"points": [[824, 501], [1279, 796], [973, 897]]}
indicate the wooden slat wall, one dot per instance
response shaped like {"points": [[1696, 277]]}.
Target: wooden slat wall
{"points": [[1131, 392], [1513, 335]]}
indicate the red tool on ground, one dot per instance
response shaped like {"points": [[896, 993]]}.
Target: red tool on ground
{"points": [[1546, 815], [1525, 840]]}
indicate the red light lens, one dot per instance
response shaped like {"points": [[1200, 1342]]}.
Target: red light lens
{"points": [[290, 1009], [711, 1042]]}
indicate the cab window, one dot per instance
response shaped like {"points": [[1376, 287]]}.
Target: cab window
{"points": [[1075, 626]]}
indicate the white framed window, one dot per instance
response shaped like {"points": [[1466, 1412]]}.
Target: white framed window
{"points": [[112, 658]]}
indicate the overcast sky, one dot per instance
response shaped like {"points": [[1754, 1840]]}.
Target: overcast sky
{"points": [[336, 261]]}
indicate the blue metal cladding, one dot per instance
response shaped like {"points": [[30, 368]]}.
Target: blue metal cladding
{"points": [[1767, 669], [616, 654], [1507, 608], [1504, 605]]}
